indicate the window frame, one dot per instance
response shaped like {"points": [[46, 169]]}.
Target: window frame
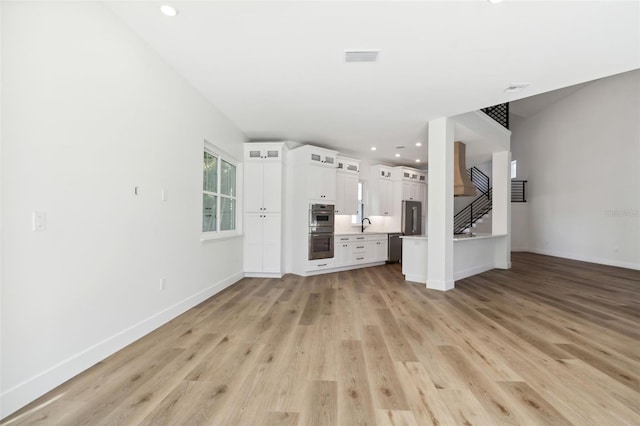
{"points": [[221, 156], [356, 219]]}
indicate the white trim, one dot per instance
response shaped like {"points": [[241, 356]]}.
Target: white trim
{"points": [[459, 275], [27, 391], [341, 268], [215, 236], [263, 274], [419, 279], [590, 259], [222, 155], [441, 285]]}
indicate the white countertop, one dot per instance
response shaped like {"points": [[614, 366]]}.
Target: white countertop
{"points": [[455, 237], [344, 234]]}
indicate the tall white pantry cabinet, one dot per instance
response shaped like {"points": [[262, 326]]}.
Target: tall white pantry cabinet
{"points": [[263, 177]]}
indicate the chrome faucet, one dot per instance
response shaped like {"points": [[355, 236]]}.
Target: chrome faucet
{"points": [[367, 219]]}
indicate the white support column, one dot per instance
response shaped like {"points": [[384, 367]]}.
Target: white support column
{"points": [[501, 208], [440, 206]]}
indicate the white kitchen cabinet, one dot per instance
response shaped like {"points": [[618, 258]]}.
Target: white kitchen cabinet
{"points": [[320, 264], [262, 228], [341, 251], [314, 172], [381, 253], [262, 243], [263, 177], [346, 193], [357, 249], [321, 183], [380, 191], [414, 183], [347, 177]]}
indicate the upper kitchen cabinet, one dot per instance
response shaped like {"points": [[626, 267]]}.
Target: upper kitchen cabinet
{"points": [[263, 177], [381, 191], [263, 151], [347, 176], [319, 168], [413, 183]]}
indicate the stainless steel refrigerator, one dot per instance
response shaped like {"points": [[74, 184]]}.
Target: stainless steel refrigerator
{"points": [[411, 218]]}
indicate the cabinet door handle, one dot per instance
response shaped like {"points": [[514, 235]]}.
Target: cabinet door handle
{"points": [[359, 238], [378, 243], [322, 264], [359, 246], [359, 258]]}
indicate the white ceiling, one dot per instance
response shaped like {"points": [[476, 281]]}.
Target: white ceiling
{"points": [[277, 69]]}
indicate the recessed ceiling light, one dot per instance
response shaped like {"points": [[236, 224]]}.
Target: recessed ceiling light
{"points": [[168, 10], [397, 155], [400, 147], [373, 148], [494, 1], [417, 160], [418, 143], [516, 87]]}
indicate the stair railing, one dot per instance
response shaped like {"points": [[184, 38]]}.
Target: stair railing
{"points": [[479, 179], [466, 217], [518, 191]]}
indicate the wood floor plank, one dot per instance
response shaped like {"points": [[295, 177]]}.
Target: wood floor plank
{"points": [[483, 389], [353, 386], [281, 418], [424, 399], [550, 341], [616, 389], [465, 408], [321, 404], [395, 418], [539, 411], [383, 380]]}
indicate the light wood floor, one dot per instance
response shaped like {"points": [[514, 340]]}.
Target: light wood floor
{"points": [[551, 341]]}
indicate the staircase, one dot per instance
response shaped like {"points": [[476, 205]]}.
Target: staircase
{"points": [[467, 218]]}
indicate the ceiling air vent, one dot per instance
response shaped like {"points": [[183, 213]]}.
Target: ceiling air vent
{"points": [[516, 87], [361, 55]]}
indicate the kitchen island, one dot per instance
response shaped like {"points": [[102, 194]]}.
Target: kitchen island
{"points": [[472, 255]]}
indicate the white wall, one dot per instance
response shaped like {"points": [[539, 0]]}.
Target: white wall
{"points": [[89, 112], [581, 157]]}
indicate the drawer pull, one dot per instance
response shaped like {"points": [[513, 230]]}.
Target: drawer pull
{"points": [[359, 246], [359, 238], [322, 264], [359, 258]]}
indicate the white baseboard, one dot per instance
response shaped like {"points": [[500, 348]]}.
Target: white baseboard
{"points": [[519, 248], [441, 285], [338, 269], [459, 275], [573, 256], [420, 279], [20, 395], [263, 274]]}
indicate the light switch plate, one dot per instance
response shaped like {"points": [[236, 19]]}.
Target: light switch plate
{"points": [[39, 221]]}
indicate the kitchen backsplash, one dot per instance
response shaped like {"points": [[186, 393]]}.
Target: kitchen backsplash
{"points": [[378, 224]]}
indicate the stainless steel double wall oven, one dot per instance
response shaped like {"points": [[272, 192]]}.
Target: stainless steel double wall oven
{"points": [[321, 231]]}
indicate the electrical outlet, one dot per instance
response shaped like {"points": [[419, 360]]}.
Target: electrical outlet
{"points": [[163, 283]]}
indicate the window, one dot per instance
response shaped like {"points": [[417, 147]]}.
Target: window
{"points": [[514, 166], [357, 218], [219, 196]]}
